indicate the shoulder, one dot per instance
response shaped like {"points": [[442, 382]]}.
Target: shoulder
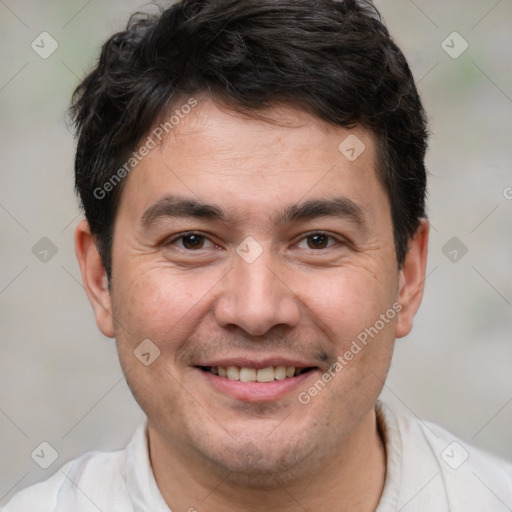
{"points": [[469, 478], [455, 454], [90, 482], [468, 470]]}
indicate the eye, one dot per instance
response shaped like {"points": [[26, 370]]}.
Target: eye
{"points": [[192, 242], [317, 241]]}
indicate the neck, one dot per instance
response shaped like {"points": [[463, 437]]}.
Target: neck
{"points": [[351, 478]]}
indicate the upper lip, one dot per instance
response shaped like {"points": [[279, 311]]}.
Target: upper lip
{"points": [[251, 362]]}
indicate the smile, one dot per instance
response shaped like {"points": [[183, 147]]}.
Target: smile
{"points": [[246, 374], [250, 384]]}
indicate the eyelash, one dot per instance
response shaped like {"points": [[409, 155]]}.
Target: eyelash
{"points": [[182, 236], [320, 233]]}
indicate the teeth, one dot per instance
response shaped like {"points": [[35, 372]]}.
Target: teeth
{"points": [[265, 374], [233, 373], [268, 374], [280, 373], [247, 375]]}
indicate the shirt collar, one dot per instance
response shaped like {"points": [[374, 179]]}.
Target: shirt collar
{"points": [[142, 487], [390, 432]]}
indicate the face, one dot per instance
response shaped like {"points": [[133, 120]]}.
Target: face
{"points": [[260, 247]]}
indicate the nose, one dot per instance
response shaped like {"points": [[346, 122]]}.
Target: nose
{"points": [[256, 298]]}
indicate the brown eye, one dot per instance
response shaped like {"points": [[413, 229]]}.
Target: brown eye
{"points": [[192, 242], [318, 241]]}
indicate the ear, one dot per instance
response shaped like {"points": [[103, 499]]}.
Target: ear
{"points": [[412, 279], [94, 278]]}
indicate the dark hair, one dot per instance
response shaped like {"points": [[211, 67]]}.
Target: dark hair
{"points": [[334, 59]]}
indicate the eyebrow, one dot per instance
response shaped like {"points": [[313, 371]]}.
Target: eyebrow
{"points": [[340, 207], [173, 206]]}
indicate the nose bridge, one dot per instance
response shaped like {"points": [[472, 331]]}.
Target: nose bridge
{"points": [[255, 298], [257, 281]]}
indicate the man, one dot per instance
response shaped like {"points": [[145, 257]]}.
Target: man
{"points": [[252, 176]]}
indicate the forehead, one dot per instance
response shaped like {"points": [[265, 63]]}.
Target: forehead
{"points": [[251, 165]]}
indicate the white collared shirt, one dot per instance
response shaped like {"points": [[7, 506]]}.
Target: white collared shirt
{"points": [[428, 470]]}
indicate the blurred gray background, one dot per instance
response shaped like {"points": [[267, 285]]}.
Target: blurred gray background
{"points": [[60, 379]]}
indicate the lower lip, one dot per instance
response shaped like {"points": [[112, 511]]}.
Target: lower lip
{"points": [[256, 391]]}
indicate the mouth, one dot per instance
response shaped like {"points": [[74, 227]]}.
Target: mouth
{"points": [[250, 384], [263, 375]]}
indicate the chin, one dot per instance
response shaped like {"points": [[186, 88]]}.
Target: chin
{"points": [[262, 465]]}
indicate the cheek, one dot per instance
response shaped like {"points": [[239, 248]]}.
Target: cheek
{"points": [[161, 303], [358, 311], [346, 301]]}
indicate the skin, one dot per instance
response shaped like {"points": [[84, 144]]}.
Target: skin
{"points": [[210, 451]]}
